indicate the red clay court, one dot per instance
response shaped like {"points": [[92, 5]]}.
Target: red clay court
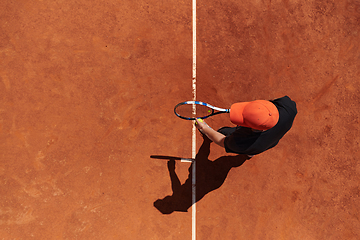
{"points": [[87, 90]]}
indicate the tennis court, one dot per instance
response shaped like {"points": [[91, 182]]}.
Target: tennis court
{"points": [[87, 91]]}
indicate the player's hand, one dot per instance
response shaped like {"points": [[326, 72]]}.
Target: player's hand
{"points": [[200, 124]]}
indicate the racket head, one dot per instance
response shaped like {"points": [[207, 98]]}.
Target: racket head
{"points": [[191, 110]]}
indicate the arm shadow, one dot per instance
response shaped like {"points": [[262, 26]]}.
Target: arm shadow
{"points": [[210, 175]]}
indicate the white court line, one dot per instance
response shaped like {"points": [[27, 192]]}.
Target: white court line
{"points": [[193, 147]]}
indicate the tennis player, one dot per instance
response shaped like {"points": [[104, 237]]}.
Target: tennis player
{"points": [[260, 126]]}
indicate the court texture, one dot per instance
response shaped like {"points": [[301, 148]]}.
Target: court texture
{"points": [[87, 91]]}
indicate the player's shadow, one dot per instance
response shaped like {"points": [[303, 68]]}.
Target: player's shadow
{"points": [[210, 175]]}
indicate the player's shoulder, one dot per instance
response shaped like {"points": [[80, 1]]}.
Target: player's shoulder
{"points": [[286, 100], [287, 103], [283, 99]]}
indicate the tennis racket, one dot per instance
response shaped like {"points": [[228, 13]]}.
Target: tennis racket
{"points": [[191, 110]]}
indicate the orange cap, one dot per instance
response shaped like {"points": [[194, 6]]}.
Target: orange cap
{"points": [[259, 114]]}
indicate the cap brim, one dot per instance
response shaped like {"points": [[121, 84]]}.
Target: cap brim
{"points": [[236, 113]]}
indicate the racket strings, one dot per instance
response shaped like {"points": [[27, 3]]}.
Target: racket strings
{"points": [[193, 110]]}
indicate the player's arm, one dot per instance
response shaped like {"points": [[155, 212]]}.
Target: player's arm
{"points": [[213, 135]]}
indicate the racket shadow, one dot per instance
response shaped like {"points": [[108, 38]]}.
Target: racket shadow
{"points": [[210, 175]]}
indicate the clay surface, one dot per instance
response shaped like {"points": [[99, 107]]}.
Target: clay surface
{"points": [[87, 90]]}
